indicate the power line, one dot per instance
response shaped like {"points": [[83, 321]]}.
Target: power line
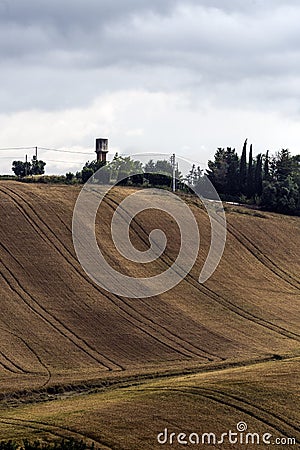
{"points": [[68, 162], [64, 151], [11, 157], [8, 149]]}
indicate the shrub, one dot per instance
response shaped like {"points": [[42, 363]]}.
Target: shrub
{"points": [[69, 176], [64, 444], [86, 174]]}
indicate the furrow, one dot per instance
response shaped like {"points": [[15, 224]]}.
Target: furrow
{"points": [[256, 413], [16, 367], [217, 297], [55, 430], [120, 301], [43, 314], [6, 366], [262, 258], [24, 300], [81, 343], [48, 373], [243, 401]]}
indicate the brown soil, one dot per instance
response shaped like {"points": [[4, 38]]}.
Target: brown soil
{"points": [[58, 328]]}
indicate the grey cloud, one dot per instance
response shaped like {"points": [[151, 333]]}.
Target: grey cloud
{"points": [[62, 53], [30, 29], [94, 31], [76, 13]]}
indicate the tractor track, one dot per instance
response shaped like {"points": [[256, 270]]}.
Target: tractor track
{"points": [[45, 316], [42, 313], [54, 430], [197, 351], [262, 258], [210, 293], [119, 302], [267, 262], [263, 410], [274, 420], [16, 367], [5, 365], [281, 425], [20, 295], [48, 373]]}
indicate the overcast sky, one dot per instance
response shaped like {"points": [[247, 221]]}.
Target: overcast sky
{"points": [[183, 76]]}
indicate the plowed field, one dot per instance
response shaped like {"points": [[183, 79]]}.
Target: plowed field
{"points": [[222, 352]]}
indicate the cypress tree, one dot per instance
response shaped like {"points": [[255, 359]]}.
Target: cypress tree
{"points": [[266, 167], [243, 170], [258, 176], [232, 180], [250, 181]]}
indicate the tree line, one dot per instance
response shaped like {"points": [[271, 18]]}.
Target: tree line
{"points": [[34, 167], [269, 181], [123, 170]]}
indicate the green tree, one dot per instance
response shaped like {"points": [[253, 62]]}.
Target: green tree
{"points": [[250, 174], [94, 165], [90, 168], [258, 176], [162, 171], [194, 176], [70, 176], [163, 166], [149, 166], [284, 165], [223, 172], [20, 169], [86, 174], [232, 159], [217, 170], [281, 193], [281, 196], [37, 166], [124, 166], [243, 170], [266, 167], [296, 169]]}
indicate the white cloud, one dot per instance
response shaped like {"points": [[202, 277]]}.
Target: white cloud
{"points": [[138, 121]]}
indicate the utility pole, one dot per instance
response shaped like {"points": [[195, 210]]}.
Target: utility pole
{"points": [[173, 162], [26, 166], [36, 153]]}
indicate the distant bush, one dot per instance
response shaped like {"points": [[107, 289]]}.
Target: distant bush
{"points": [[9, 445], [158, 179], [8, 177], [70, 176], [65, 444], [86, 174], [44, 179]]}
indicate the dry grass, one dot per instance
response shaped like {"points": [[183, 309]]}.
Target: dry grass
{"points": [[262, 395], [58, 328]]}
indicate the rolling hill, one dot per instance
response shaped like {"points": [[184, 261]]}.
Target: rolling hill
{"points": [[221, 352]]}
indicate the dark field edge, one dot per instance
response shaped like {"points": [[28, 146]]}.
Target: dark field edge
{"points": [[60, 390]]}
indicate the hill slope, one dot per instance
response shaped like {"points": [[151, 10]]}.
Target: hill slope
{"points": [[56, 326], [131, 416]]}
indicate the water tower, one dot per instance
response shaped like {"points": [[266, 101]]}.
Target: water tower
{"points": [[101, 149]]}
